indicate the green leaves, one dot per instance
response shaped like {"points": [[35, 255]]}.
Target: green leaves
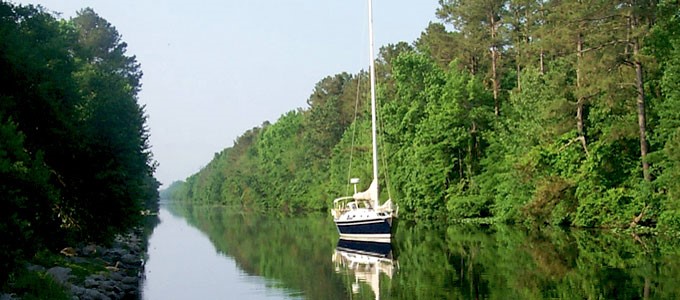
{"points": [[524, 111], [74, 158], [25, 196]]}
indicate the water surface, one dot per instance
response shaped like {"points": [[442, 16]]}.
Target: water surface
{"points": [[218, 253], [183, 264]]}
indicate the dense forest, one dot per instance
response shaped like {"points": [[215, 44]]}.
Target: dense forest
{"points": [[75, 163], [536, 112]]}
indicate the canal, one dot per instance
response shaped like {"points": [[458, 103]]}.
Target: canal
{"points": [[219, 253]]}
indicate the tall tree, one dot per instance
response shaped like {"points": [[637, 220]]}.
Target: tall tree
{"points": [[481, 23], [638, 17], [444, 47], [117, 147], [583, 31], [74, 160], [37, 109], [522, 21], [329, 113]]}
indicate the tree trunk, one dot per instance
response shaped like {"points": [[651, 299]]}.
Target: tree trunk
{"points": [[518, 51], [474, 158], [494, 82], [542, 51], [541, 62], [519, 77], [460, 165], [646, 289], [473, 65], [642, 119], [580, 102], [494, 64]]}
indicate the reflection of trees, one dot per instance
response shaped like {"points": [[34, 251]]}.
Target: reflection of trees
{"points": [[464, 262], [551, 261], [294, 253], [455, 262]]}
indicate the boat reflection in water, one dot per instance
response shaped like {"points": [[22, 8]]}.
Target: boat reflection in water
{"points": [[366, 260]]}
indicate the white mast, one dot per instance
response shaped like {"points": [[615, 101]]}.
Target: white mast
{"points": [[373, 104]]}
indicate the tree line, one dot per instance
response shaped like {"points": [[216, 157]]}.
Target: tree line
{"points": [[517, 111], [75, 163]]}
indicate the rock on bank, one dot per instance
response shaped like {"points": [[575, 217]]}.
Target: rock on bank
{"points": [[96, 272]]}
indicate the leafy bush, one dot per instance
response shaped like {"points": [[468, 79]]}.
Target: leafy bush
{"points": [[670, 220], [472, 206], [553, 202], [605, 209], [30, 285]]}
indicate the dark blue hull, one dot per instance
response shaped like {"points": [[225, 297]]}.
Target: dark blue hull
{"points": [[365, 229]]}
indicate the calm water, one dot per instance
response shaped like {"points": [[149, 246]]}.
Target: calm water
{"points": [[183, 264], [215, 253]]}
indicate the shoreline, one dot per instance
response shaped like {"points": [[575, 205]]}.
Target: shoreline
{"points": [[124, 264], [93, 271]]}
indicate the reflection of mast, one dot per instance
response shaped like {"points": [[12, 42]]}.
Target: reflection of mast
{"points": [[366, 260]]}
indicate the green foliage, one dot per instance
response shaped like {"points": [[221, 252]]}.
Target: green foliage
{"points": [[553, 202], [462, 207], [283, 168], [667, 41], [353, 149], [79, 270], [38, 285], [418, 81], [118, 162], [522, 114], [670, 212], [26, 197], [74, 159], [608, 208]]}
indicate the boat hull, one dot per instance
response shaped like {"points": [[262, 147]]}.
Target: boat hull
{"points": [[381, 250], [379, 229]]}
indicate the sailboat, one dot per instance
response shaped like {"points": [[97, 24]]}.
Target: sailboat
{"points": [[361, 216]]}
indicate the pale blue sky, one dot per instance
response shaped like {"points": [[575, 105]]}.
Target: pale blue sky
{"points": [[213, 69]]}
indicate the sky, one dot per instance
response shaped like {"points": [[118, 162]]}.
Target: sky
{"points": [[216, 68]]}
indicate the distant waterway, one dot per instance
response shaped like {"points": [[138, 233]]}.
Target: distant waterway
{"points": [[218, 253]]}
